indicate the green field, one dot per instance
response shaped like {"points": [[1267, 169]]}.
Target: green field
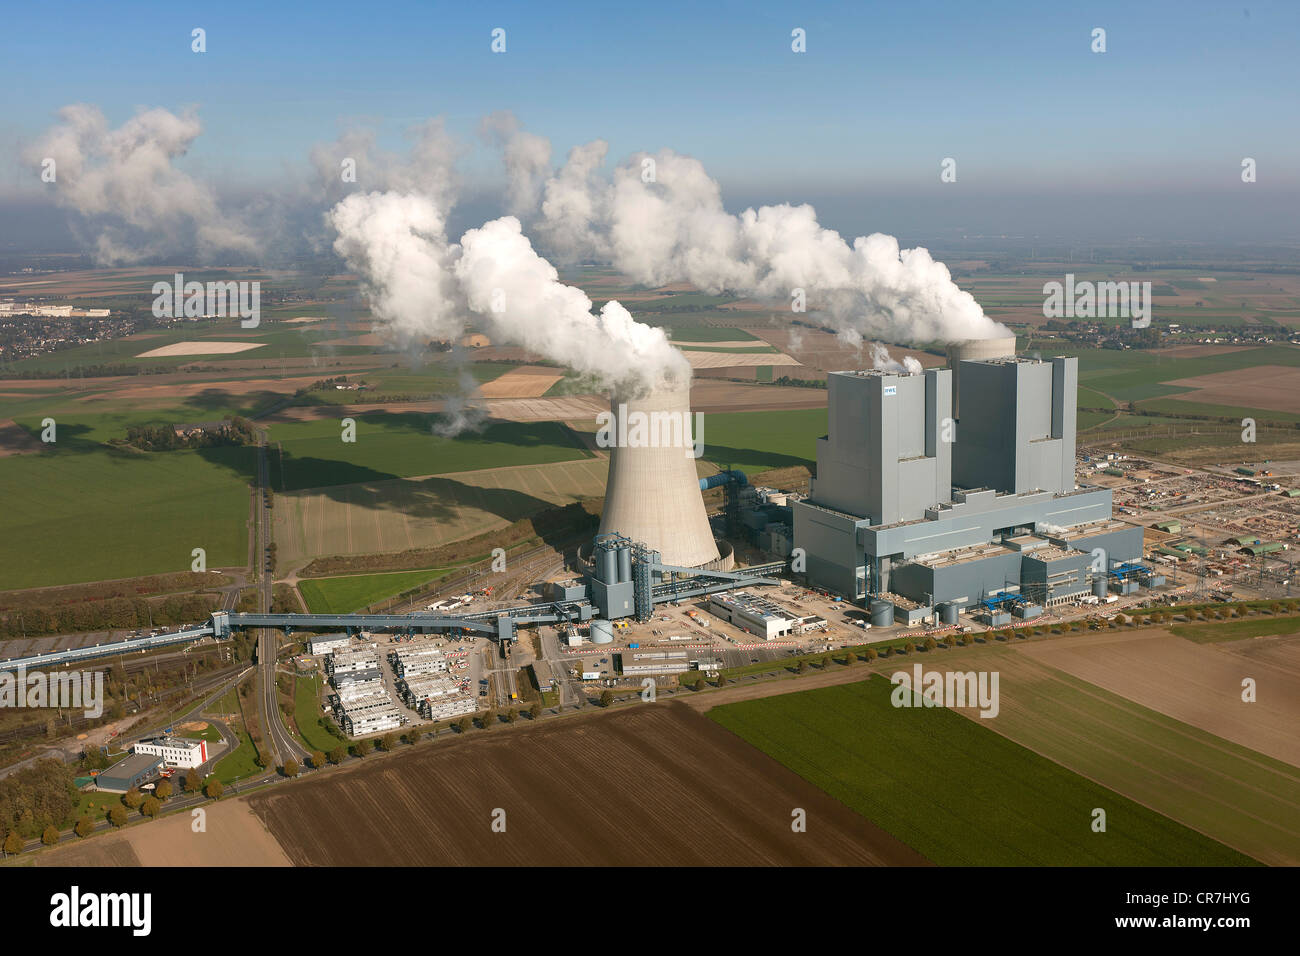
{"points": [[240, 763], [954, 790], [759, 441], [402, 446], [1236, 630], [343, 595], [307, 715], [77, 511]]}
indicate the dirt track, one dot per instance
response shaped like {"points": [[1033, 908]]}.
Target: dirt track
{"points": [[652, 785]]}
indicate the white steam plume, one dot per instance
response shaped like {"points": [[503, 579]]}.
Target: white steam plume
{"points": [[520, 295], [133, 201], [428, 170], [661, 219], [422, 287], [881, 359], [527, 159]]}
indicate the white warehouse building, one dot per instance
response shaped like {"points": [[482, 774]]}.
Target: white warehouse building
{"points": [[175, 751]]}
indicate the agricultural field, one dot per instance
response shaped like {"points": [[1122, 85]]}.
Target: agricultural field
{"points": [[312, 454], [636, 771], [78, 511], [344, 595], [759, 441], [1198, 684], [1228, 792], [954, 790], [401, 514]]}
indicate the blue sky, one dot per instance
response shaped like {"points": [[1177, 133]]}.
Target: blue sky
{"points": [[885, 91]]}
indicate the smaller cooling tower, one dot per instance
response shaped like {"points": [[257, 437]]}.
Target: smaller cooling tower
{"points": [[975, 349]]}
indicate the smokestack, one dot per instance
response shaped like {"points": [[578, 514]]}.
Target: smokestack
{"points": [[1003, 347], [653, 493]]}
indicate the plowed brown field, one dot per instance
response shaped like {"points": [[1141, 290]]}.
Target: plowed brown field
{"points": [[653, 785]]}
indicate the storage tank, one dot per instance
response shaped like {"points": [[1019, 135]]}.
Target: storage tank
{"points": [[1100, 588], [948, 613], [608, 569], [625, 563], [602, 631], [1004, 347], [653, 492], [882, 614]]}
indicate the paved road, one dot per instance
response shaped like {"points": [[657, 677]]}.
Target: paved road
{"points": [[276, 736]]}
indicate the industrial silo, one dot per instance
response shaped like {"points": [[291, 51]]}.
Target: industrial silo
{"points": [[882, 614], [1100, 587], [948, 613], [1004, 347], [652, 495], [602, 631]]}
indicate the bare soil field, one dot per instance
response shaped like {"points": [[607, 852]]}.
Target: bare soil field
{"points": [[653, 785], [527, 381], [15, 440], [579, 407], [199, 348], [1275, 387], [737, 359], [1198, 684], [234, 836]]}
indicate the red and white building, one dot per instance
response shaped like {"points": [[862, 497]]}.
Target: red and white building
{"points": [[175, 751]]}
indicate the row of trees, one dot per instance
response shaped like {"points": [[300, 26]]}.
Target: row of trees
{"points": [[236, 431], [117, 613]]}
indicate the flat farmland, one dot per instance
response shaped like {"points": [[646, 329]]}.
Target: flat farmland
{"points": [[1198, 684], [760, 441], [234, 837], [954, 790], [312, 454], [1272, 387], [649, 786], [1230, 793], [78, 512], [400, 514]]}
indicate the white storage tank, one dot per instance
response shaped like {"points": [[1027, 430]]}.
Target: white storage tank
{"points": [[602, 632]]}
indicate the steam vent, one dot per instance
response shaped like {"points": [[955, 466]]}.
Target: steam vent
{"points": [[653, 494]]}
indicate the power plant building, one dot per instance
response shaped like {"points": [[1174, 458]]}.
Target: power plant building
{"points": [[932, 513]]}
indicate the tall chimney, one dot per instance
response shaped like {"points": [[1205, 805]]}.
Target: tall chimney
{"points": [[653, 493]]}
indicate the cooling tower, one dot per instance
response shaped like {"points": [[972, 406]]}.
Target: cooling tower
{"points": [[653, 494], [975, 349]]}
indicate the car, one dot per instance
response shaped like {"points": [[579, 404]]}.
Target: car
{"points": [[482, 693]]}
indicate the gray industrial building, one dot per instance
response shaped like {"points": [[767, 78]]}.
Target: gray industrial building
{"points": [[910, 504]]}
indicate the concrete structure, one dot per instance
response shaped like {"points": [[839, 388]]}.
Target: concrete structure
{"points": [[975, 350], [372, 714], [653, 495], [325, 643], [1019, 436], [643, 663], [907, 509], [754, 614], [175, 751], [130, 772]]}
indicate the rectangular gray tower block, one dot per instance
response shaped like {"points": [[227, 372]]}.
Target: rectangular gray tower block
{"points": [[885, 457], [1018, 433]]}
